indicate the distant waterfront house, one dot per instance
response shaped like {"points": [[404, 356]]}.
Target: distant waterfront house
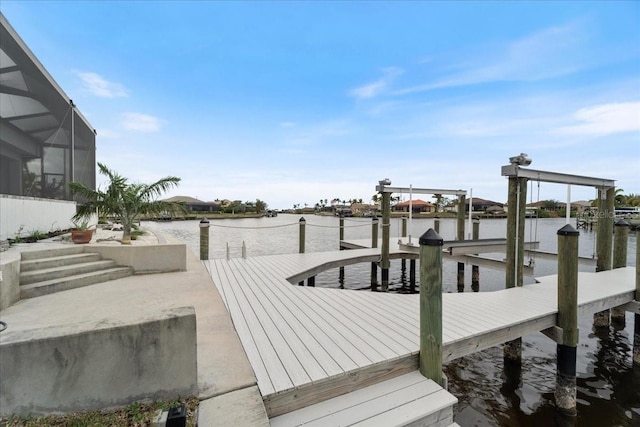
{"points": [[417, 206], [495, 210], [364, 209], [192, 204], [45, 143], [479, 205]]}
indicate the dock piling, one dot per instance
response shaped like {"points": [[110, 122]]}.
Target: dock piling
{"points": [[403, 262], [431, 306], [475, 270], [204, 239], [636, 317], [604, 242], [386, 216], [374, 244], [516, 203], [621, 233], [565, 393], [301, 240], [460, 236], [436, 224]]}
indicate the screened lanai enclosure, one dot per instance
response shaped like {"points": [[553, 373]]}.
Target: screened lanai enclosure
{"points": [[45, 142]]}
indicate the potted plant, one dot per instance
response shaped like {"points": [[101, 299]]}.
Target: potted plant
{"points": [[81, 233]]}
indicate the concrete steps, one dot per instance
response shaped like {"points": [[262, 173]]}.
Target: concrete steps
{"points": [[41, 264], [48, 271]]}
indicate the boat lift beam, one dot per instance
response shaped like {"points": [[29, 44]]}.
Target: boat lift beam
{"points": [[514, 170], [388, 189], [465, 247]]}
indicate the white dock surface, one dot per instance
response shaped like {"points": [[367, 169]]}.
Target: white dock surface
{"points": [[309, 344]]}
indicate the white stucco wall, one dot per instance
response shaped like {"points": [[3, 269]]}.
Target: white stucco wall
{"points": [[32, 214]]}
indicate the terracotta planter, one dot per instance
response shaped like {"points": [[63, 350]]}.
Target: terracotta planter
{"points": [[81, 236]]}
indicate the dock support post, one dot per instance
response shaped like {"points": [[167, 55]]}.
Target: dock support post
{"points": [[565, 393], [341, 272], [403, 262], [412, 275], [436, 224], [374, 244], [516, 205], [431, 306], [604, 242], [204, 239], [386, 216], [301, 240], [460, 236], [475, 270], [621, 233], [636, 318]]}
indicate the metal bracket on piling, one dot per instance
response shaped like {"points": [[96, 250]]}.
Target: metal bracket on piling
{"points": [[555, 333], [633, 306]]}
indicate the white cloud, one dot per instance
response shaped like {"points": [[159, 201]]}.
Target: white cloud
{"points": [[605, 119], [548, 53], [141, 122], [99, 86], [376, 88]]}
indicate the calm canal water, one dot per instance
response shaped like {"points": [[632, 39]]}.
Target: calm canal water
{"points": [[608, 385]]}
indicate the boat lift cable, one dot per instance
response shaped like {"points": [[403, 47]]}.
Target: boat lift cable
{"points": [[255, 228], [337, 226], [593, 253], [533, 228]]}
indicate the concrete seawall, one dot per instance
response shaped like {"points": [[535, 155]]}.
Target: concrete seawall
{"points": [[96, 365]]}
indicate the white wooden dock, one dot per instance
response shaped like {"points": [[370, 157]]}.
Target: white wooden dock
{"points": [[309, 344]]}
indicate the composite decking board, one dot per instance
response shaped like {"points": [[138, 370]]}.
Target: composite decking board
{"points": [[217, 280], [372, 303], [319, 316], [278, 375], [254, 339], [299, 362], [335, 405], [374, 406], [511, 312], [307, 332], [405, 321], [376, 350], [413, 411], [246, 338], [452, 320], [388, 336], [510, 306]]}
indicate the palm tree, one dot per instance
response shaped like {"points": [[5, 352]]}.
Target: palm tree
{"points": [[123, 200]]}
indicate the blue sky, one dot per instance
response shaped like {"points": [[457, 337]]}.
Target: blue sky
{"points": [[293, 102]]}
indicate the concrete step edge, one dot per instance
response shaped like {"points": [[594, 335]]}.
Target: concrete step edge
{"points": [[64, 271], [73, 282], [58, 261], [51, 252]]}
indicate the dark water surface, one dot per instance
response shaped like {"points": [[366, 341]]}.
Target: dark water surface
{"points": [[489, 395]]}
